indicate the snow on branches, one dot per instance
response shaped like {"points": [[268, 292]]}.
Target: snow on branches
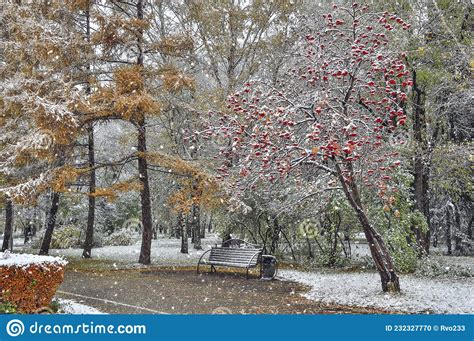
{"points": [[38, 96], [334, 110], [337, 106]]}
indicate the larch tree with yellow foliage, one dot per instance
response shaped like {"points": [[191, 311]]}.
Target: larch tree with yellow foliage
{"points": [[128, 46], [38, 96]]}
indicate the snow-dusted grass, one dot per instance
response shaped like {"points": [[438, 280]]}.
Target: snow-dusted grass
{"points": [[165, 251], [419, 294], [71, 307], [437, 294], [446, 266]]}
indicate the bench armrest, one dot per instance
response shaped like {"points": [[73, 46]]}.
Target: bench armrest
{"points": [[251, 259], [200, 258], [204, 253]]}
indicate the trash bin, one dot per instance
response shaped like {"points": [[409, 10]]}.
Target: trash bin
{"points": [[269, 267]]}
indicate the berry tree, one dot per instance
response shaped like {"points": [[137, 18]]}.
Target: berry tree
{"points": [[335, 110]]}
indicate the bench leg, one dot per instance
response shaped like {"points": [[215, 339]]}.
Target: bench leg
{"points": [[213, 269], [247, 275]]}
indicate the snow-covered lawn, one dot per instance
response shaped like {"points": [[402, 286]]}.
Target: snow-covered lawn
{"points": [[419, 294], [442, 294], [73, 308], [164, 251]]}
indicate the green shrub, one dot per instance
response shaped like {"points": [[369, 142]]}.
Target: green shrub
{"points": [[432, 267], [66, 238], [404, 255], [123, 237], [63, 238]]}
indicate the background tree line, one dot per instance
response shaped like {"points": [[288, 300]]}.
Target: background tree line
{"points": [[100, 102]]}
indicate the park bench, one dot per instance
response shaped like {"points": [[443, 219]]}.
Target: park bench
{"points": [[234, 253]]}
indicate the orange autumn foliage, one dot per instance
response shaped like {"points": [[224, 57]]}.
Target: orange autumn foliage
{"points": [[57, 179], [125, 99], [111, 193], [174, 80], [32, 287], [175, 45], [195, 185], [129, 79], [115, 30]]}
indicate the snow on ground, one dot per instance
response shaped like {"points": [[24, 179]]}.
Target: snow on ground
{"points": [[466, 262], [71, 307], [164, 251], [8, 259], [419, 294]]}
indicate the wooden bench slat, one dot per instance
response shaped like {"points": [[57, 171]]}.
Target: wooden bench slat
{"points": [[232, 256], [226, 260], [237, 265], [233, 248], [231, 260], [237, 252], [246, 259]]}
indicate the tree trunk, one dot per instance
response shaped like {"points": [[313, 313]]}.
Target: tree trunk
{"points": [[177, 230], [89, 241], [190, 224], [209, 227], [196, 223], [308, 242], [378, 249], [226, 236], [469, 228], [380, 254], [334, 252], [435, 240], [347, 242], [27, 232], [51, 223], [35, 221], [147, 221], [457, 230], [293, 256], [8, 233], [203, 229], [275, 236], [421, 165], [184, 233], [448, 230]]}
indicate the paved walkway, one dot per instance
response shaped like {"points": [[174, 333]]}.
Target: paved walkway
{"points": [[185, 292]]}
